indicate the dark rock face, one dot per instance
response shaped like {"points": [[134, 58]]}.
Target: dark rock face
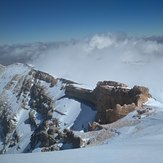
{"points": [[44, 76], [39, 100], [70, 137], [80, 94], [9, 124], [112, 83]]}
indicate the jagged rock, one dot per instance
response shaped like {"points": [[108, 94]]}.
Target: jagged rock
{"points": [[140, 94], [68, 82], [119, 111], [80, 94], [33, 140], [40, 100], [112, 84], [94, 126], [9, 123], [52, 130], [44, 76], [51, 148], [32, 118], [46, 139], [44, 125], [143, 112], [114, 102], [14, 140], [70, 137]]}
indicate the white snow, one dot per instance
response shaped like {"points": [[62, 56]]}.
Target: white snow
{"points": [[142, 142], [77, 115], [10, 71]]}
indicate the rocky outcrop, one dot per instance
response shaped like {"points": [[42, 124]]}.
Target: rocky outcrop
{"points": [[32, 118], [84, 95], [47, 134], [113, 100], [40, 101], [73, 139], [44, 76]]}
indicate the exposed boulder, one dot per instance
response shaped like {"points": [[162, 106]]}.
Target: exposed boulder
{"points": [[73, 139], [32, 118], [46, 139], [94, 126], [140, 94], [54, 147]]}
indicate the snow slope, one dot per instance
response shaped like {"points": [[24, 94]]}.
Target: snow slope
{"points": [[142, 142]]}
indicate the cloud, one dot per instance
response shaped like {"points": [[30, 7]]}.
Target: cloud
{"points": [[135, 61]]}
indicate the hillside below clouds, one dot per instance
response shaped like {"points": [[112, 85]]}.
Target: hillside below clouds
{"points": [[40, 113]]}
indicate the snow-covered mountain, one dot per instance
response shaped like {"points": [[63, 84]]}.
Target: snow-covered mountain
{"points": [[33, 101], [42, 112], [39, 112]]}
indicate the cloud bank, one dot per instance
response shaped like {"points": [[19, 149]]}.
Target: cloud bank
{"points": [[135, 61]]}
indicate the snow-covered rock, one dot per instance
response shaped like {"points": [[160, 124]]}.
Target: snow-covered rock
{"points": [[34, 110]]}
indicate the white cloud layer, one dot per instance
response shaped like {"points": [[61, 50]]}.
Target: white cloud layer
{"points": [[134, 61]]}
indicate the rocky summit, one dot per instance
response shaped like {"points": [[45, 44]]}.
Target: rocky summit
{"points": [[40, 113]]}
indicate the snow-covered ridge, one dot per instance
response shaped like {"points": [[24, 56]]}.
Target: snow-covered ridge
{"points": [[31, 105]]}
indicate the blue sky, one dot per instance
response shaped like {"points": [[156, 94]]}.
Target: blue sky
{"points": [[55, 20]]}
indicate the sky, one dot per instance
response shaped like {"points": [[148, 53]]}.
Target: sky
{"points": [[23, 21]]}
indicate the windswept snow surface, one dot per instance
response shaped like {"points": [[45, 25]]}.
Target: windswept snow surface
{"points": [[144, 152], [142, 142]]}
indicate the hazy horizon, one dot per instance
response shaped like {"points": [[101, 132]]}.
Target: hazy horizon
{"points": [[109, 56]]}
